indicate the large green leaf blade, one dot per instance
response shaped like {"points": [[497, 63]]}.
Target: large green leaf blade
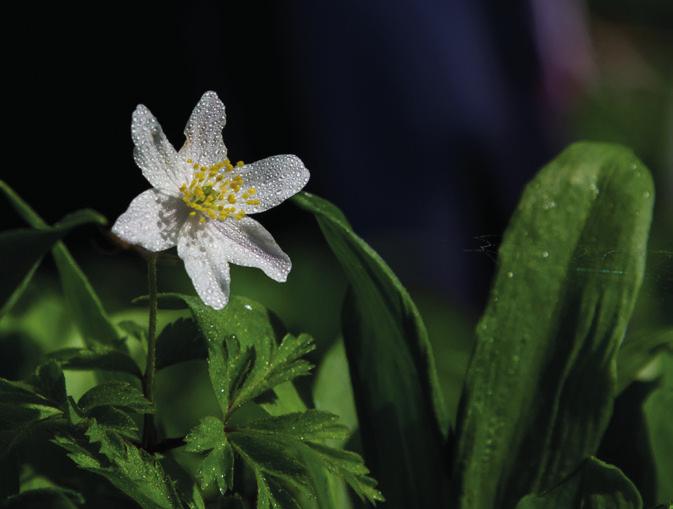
{"points": [[23, 249], [83, 303], [658, 410], [596, 485], [399, 403], [540, 386]]}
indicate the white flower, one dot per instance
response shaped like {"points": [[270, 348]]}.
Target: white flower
{"points": [[201, 202]]}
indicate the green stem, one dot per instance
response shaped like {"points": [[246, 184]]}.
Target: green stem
{"points": [[149, 433]]}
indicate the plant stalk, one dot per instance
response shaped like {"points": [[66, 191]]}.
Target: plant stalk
{"points": [[149, 432]]}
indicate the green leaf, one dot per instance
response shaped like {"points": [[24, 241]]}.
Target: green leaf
{"points": [[180, 341], [130, 469], [596, 485], [49, 381], [300, 434], [118, 394], [52, 498], [115, 419], [540, 385], [97, 357], [218, 466], [228, 367], [397, 394], [311, 425], [134, 330], [23, 249], [335, 397], [638, 351], [658, 411], [83, 303], [253, 326]]}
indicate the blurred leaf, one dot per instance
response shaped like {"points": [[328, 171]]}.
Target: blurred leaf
{"points": [[83, 303], [22, 251], [130, 469], [392, 369], [52, 498], [218, 466], [331, 396], [659, 416], [540, 386], [180, 341], [637, 352], [49, 381], [118, 394], [97, 357], [596, 485], [134, 330]]}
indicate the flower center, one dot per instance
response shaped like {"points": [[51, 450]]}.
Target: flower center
{"points": [[215, 191]]}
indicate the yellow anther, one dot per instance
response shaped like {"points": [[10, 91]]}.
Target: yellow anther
{"points": [[252, 202], [192, 213], [252, 190], [189, 161], [202, 220], [240, 215], [231, 198], [240, 164]]}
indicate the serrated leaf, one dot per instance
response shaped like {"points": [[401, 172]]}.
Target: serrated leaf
{"points": [[218, 466], [180, 341], [130, 469], [597, 485], [23, 249], [97, 357], [208, 434], [311, 425], [250, 323], [83, 303], [269, 456], [115, 419], [228, 368], [118, 394], [397, 394], [21, 392], [284, 365], [540, 386], [299, 434]]}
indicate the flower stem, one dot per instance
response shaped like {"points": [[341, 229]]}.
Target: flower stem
{"points": [[149, 432]]}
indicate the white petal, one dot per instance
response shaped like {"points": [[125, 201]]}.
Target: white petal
{"points": [[206, 266], [154, 154], [204, 143], [152, 221], [246, 242], [275, 178]]}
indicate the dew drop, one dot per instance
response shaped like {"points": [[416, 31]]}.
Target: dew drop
{"points": [[510, 275], [545, 254]]}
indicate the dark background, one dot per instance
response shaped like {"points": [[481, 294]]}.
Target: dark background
{"points": [[421, 120]]}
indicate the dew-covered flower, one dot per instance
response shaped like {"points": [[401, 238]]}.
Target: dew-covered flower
{"points": [[201, 202]]}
